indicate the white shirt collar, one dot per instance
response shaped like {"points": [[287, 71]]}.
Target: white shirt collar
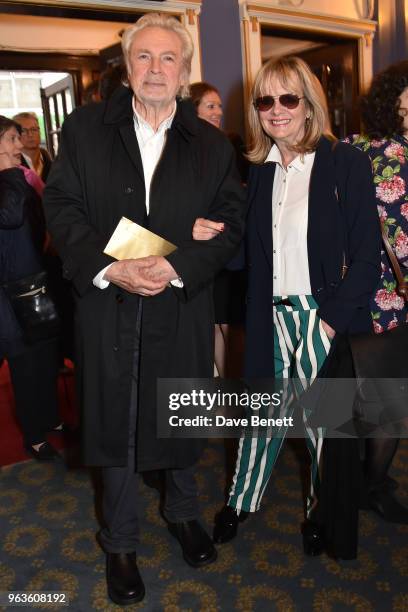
{"points": [[300, 163], [140, 122]]}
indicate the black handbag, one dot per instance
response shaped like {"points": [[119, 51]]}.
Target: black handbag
{"points": [[34, 307], [381, 367]]}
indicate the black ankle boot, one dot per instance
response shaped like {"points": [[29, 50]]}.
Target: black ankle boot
{"points": [[226, 524], [125, 586], [196, 544], [313, 540]]}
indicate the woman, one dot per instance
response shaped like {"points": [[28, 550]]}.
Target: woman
{"points": [[310, 202], [206, 98], [385, 120], [229, 286], [33, 367]]}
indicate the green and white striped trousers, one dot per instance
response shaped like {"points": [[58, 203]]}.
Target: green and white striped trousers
{"points": [[300, 349]]}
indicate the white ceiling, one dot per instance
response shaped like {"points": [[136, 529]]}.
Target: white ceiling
{"points": [[42, 34]]}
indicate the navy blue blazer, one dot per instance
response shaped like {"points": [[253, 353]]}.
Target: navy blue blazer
{"points": [[342, 221]]}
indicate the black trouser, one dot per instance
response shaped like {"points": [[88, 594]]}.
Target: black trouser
{"points": [[120, 486], [34, 376]]}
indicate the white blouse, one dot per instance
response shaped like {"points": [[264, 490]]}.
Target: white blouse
{"points": [[290, 204]]}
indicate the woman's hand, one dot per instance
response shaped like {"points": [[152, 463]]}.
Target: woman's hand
{"points": [[330, 332], [204, 229]]}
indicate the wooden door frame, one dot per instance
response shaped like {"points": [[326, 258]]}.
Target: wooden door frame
{"points": [[83, 69], [256, 14], [51, 92]]}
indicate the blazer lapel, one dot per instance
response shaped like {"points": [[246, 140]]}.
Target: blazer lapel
{"points": [[321, 196], [128, 135], [263, 207], [119, 112], [320, 179]]}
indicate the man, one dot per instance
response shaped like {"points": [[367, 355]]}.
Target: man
{"points": [[145, 155], [33, 156]]}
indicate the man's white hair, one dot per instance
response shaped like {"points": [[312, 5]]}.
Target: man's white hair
{"points": [[167, 22]]}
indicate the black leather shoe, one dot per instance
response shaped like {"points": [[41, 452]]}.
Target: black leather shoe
{"points": [[125, 586], [198, 550], [383, 502], [62, 428], [313, 541], [226, 524], [389, 484], [46, 452]]}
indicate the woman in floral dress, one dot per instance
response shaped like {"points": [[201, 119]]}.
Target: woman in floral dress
{"points": [[385, 119]]}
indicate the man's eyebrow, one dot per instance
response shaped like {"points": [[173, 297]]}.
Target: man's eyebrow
{"points": [[141, 50]]}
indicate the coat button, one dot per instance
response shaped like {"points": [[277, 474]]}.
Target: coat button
{"points": [[115, 348], [119, 298], [128, 189], [319, 289]]}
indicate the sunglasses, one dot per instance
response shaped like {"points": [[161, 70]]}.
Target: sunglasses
{"points": [[265, 103]]}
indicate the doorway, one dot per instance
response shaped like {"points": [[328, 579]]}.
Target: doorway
{"points": [[79, 43], [49, 95]]}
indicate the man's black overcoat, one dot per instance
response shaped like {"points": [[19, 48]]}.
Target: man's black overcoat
{"points": [[96, 179]]}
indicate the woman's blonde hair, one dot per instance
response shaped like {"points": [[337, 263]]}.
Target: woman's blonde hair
{"points": [[159, 20], [291, 72]]}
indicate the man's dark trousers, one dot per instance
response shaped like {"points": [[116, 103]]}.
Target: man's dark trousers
{"points": [[120, 484]]}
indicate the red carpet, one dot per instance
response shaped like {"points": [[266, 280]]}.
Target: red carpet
{"points": [[11, 440]]}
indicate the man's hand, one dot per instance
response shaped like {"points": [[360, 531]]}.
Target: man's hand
{"points": [[159, 269], [204, 229], [131, 275], [330, 332]]}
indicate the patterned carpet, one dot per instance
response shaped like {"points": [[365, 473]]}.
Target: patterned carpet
{"points": [[47, 542]]}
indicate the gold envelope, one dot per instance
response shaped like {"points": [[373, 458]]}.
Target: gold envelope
{"points": [[132, 241]]}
